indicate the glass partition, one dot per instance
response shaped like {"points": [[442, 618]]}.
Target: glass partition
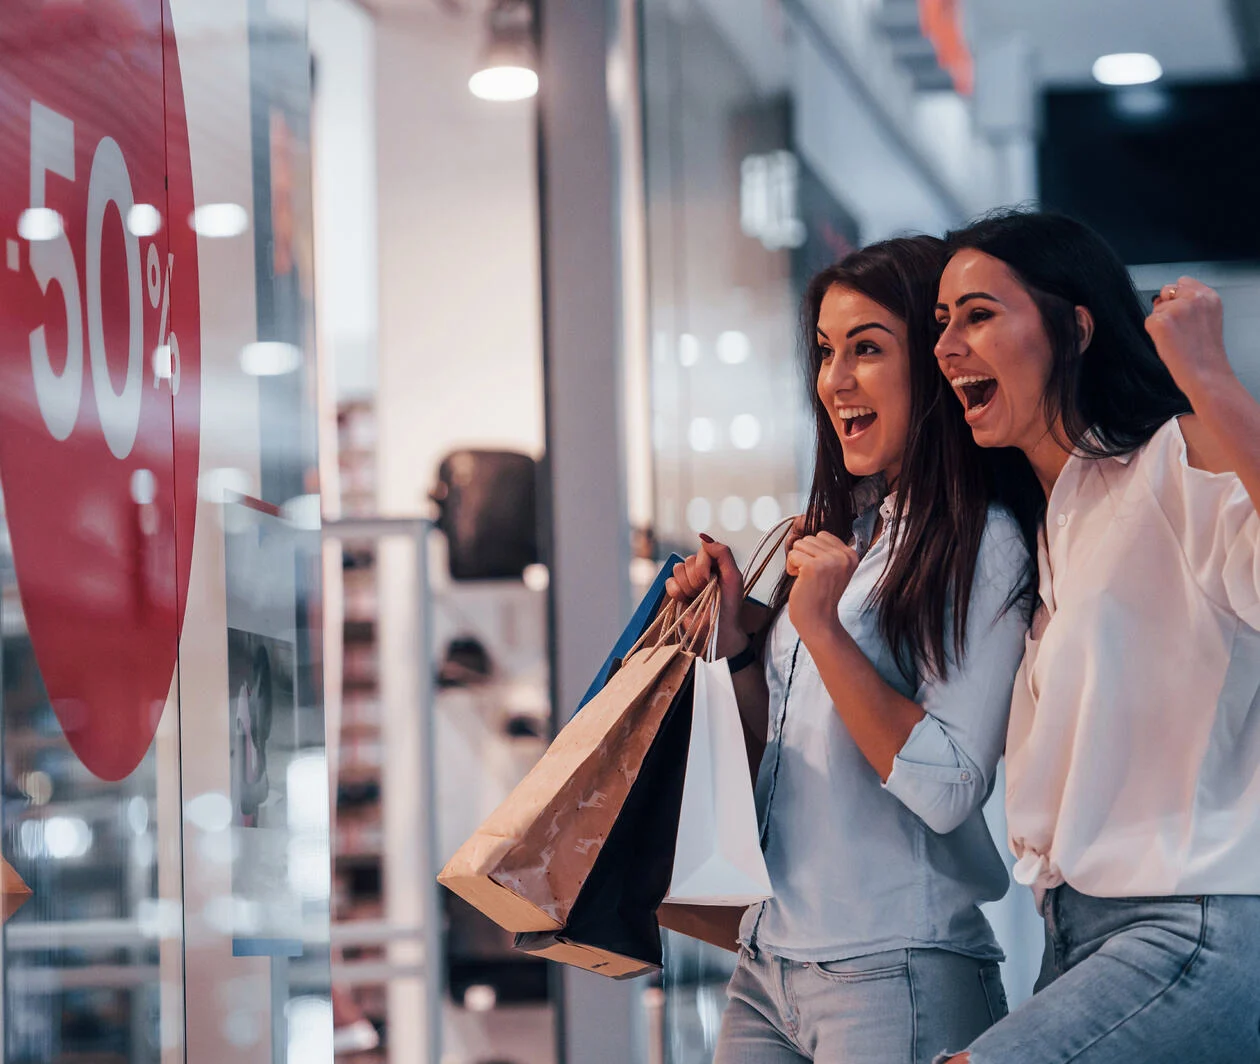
{"points": [[164, 781]]}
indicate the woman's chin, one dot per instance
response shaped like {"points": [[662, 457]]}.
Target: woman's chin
{"points": [[860, 465], [990, 436]]}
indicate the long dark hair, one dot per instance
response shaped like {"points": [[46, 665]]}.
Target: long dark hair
{"points": [[947, 482], [1112, 396]]}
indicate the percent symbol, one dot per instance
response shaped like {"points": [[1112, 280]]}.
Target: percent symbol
{"points": [[166, 354]]}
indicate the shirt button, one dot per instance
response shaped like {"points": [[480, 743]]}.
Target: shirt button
{"points": [[1062, 520], [965, 777]]}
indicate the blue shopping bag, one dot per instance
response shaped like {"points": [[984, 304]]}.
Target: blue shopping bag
{"points": [[643, 617]]}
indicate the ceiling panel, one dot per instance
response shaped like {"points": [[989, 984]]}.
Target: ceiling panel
{"points": [[1192, 39]]}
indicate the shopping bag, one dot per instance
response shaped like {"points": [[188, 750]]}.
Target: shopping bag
{"points": [[612, 928], [526, 864], [15, 893], [718, 858], [718, 868], [642, 619], [718, 925]]}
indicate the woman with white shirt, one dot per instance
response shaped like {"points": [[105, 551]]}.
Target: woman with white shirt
{"points": [[882, 697], [1133, 759]]}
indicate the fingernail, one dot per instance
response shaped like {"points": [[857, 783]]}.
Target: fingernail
{"points": [[706, 538]]}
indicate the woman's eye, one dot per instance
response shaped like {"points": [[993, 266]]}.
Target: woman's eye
{"points": [[979, 314], [826, 353], [941, 324], [866, 347]]}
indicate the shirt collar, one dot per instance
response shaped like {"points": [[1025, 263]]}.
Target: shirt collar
{"points": [[1092, 437], [870, 497], [867, 493]]}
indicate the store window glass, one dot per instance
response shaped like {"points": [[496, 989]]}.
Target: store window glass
{"points": [[165, 801]]}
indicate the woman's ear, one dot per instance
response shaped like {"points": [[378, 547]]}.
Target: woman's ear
{"points": [[1084, 329]]}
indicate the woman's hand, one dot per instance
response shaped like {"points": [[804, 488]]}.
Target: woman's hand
{"points": [[690, 578], [1187, 325], [823, 566], [795, 533]]}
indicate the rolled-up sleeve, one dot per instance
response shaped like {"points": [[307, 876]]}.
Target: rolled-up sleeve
{"points": [[945, 770], [1216, 523]]}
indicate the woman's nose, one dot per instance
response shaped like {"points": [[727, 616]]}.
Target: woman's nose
{"points": [[949, 343], [837, 377]]}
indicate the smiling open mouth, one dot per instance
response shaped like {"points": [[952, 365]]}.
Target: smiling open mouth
{"points": [[977, 392], [856, 420]]}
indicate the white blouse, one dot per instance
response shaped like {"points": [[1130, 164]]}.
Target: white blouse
{"points": [[1133, 758]]}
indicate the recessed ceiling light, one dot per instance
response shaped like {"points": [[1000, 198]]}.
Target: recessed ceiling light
{"points": [[1127, 68], [503, 84]]}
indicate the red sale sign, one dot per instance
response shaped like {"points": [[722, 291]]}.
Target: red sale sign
{"points": [[99, 359]]}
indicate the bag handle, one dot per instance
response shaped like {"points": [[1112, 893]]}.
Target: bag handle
{"points": [[781, 530], [669, 619]]}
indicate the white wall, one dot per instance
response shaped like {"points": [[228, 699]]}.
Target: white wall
{"points": [[460, 349]]}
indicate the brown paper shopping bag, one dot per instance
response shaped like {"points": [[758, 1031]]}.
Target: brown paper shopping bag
{"points": [[14, 891], [526, 864]]}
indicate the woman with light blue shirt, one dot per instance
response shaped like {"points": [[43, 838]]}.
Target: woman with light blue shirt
{"points": [[883, 696]]}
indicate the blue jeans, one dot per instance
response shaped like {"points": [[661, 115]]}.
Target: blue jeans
{"points": [[1154, 980], [899, 1007]]}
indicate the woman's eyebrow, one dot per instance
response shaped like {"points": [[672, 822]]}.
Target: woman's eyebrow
{"points": [[968, 297], [868, 325]]}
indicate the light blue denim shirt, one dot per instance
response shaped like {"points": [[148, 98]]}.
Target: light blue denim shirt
{"points": [[859, 866]]}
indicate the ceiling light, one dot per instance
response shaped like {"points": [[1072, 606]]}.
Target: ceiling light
{"points": [[508, 67], [503, 84], [1127, 68]]}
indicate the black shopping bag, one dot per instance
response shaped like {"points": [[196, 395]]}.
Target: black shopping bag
{"points": [[612, 927]]}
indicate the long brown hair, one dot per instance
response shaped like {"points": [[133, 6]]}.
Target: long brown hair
{"points": [[947, 482]]}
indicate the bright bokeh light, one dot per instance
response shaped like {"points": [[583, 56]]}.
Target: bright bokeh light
{"points": [[733, 513], [143, 487], [211, 811], [306, 781], [537, 577], [223, 484], [702, 434], [480, 998], [138, 815], [144, 219], [1127, 68], [688, 350], [39, 223], [270, 358], [699, 514], [766, 513], [66, 837], [218, 221], [310, 1023], [503, 84], [745, 432], [310, 869], [733, 347], [303, 511]]}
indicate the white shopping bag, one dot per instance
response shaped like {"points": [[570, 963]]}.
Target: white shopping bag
{"points": [[718, 859]]}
